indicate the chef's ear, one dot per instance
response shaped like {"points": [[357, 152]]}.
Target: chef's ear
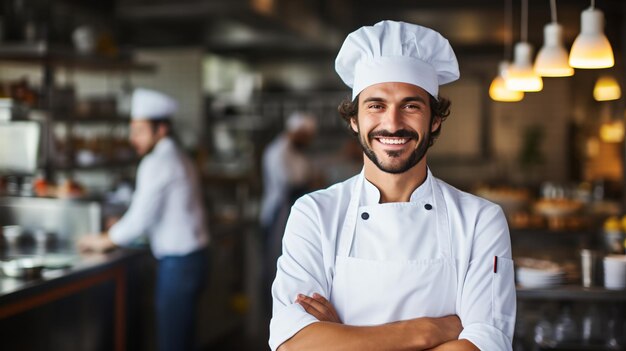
{"points": [[436, 124], [353, 125], [163, 129]]}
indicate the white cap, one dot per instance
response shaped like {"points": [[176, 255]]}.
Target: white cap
{"points": [[301, 121], [151, 104], [393, 51]]}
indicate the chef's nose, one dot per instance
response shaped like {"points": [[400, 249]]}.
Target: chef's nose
{"points": [[393, 118]]}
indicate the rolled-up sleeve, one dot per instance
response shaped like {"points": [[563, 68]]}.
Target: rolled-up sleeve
{"points": [[488, 301], [300, 269]]}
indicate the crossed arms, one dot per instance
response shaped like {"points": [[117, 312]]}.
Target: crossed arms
{"points": [[436, 334]]}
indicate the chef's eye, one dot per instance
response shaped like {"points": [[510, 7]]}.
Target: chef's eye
{"points": [[415, 107], [375, 106]]}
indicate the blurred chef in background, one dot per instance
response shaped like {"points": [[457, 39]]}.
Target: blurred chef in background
{"points": [[287, 175], [167, 207]]}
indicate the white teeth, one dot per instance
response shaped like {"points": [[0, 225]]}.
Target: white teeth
{"points": [[393, 141]]}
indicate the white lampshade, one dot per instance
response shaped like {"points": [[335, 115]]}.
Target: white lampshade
{"points": [[498, 90], [591, 49], [552, 59], [521, 75], [606, 89]]}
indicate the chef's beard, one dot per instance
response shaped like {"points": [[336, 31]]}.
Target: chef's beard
{"points": [[414, 158], [147, 151]]}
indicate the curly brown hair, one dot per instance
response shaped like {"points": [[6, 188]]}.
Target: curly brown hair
{"points": [[349, 109]]}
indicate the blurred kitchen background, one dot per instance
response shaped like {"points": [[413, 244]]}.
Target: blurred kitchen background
{"points": [[553, 160]]}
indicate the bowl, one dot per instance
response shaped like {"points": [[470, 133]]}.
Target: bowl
{"points": [[558, 207]]}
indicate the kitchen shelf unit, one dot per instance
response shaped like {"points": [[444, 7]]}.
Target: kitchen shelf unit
{"points": [[50, 59], [549, 303], [108, 147]]}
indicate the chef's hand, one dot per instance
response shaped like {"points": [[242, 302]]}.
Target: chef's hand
{"points": [[95, 243], [445, 331], [319, 307]]}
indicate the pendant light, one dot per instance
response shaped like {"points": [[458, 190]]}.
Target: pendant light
{"points": [[552, 59], [612, 132], [497, 89], [521, 76], [606, 89], [591, 49]]}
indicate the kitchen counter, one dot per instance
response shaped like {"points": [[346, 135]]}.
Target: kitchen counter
{"points": [[83, 265], [97, 303]]}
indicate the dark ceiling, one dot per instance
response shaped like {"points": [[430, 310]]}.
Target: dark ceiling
{"points": [[288, 29]]}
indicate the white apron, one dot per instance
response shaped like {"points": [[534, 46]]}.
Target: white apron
{"points": [[373, 292]]}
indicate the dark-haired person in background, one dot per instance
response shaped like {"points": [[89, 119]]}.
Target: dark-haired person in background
{"points": [[167, 207]]}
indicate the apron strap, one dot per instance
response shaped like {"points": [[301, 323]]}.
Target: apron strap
{"points": [[443, 223], [349, 223]]}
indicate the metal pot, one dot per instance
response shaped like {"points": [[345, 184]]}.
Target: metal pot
{"points": [[12, 234], [26, 267]]}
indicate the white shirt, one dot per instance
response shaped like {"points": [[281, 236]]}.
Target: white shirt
{"points": [[166, 205], [283, 167], [485, 302]]}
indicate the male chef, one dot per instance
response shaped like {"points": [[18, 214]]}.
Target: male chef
{"points": [[167, 206], [394, 258]]}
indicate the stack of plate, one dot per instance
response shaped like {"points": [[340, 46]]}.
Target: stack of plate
{"points": [[539, 274], [536, 278]]}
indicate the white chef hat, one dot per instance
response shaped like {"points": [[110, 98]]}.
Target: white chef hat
{"points": [[391, 51], [301, 121], [151, 104]]}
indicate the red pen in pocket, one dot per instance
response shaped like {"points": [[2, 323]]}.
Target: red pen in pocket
{"points": [[495, 264]]}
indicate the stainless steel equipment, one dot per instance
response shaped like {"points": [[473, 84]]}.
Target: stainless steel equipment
{"points": [[26, 267], [19, 146], [67, 219]]}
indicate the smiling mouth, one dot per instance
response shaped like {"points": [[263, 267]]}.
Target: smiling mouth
{"points": [[393, 141]]}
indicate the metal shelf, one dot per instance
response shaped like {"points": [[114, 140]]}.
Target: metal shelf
{"points": [[98, 166], [42, 54], [577, 346], [93, 120], [571, 292], [546, 231]]}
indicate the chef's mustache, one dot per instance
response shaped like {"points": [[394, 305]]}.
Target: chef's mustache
{"points": [[402, 133]]}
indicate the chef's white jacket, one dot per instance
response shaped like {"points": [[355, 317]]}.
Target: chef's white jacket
{"points": [[166, 206], [485, 302]]}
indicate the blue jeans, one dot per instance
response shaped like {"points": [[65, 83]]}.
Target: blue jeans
{"points": [[180, 280]]}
